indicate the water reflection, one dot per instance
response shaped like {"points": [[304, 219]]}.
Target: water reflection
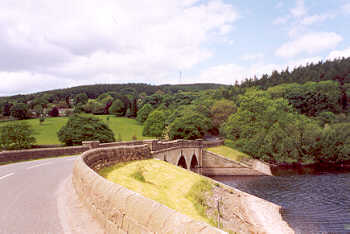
{"points": [[318, 203]]}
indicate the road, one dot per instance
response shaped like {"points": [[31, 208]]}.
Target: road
{"points": [[28, 193]]}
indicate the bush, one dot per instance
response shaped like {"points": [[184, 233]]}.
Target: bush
{"points": [[16, 136], [84, 128]]}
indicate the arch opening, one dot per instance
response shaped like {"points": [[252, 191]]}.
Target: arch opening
{"points": [[182, 162], [194, 164]]}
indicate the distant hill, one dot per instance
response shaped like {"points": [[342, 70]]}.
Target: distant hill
{"points": [[93, 91]]}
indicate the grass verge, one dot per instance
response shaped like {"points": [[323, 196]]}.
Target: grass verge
{"points": [[229, 153], [172, 186]]}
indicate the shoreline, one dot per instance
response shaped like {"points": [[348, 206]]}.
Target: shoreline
{"points": [[315, 168], [245, 213]]}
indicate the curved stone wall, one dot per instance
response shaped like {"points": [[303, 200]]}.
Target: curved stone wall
{"points": [[119, 209]]}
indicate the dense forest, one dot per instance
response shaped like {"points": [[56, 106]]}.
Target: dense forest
{"points": [[298, 116]]}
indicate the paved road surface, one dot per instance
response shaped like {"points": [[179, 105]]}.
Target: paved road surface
{"points": [[28, 195]]}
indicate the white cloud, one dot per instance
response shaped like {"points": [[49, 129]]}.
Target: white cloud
{"points": [[281, 20], [299, 9], [309, 43], [247, 57], [110, 41], [308, 20], [346, 8], [230, 73], [12, 82], [279, 5], [339, 54]]}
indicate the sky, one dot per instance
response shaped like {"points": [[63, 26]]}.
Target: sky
{"points": [[47, 45]]}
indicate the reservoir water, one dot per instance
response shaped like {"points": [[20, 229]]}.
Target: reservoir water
{"points": [[311, 203]]}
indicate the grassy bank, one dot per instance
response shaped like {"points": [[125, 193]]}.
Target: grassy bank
{"points": [[228, 152], [172, 186], [46, 133]]}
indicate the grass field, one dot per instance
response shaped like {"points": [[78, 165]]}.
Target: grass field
{"points": [[229, 153], [172, 186], [46, 133]]}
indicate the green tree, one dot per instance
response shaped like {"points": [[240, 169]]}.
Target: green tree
{"points": [[191, 125], [19, 111], [271, 130], [335, 143], [143, 113], [107, 103], [6, 111], [95, 107], [221, 110], [81, 98], [81, 128], [16, 136], [117, 108], [155, 124], [38, 109], [326, 117]]}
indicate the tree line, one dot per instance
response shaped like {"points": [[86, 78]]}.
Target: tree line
{"points": [[300, 116]]}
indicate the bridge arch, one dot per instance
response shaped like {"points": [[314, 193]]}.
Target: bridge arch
{"points": [[194, 163], [182, 162]]}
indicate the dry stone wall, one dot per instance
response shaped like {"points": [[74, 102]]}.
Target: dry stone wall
{"points": [[121, 210]]}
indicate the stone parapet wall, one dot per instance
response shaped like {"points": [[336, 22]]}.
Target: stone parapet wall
{"points": [[217, 142], [120, 210], [161, 145], [214, 164], [122, 143], [19, 155]]}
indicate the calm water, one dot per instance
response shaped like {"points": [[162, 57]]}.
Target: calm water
{"points": [[318, 203]]}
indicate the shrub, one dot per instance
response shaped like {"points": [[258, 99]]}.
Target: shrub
{"points": [[84, 128], [16, 136]]}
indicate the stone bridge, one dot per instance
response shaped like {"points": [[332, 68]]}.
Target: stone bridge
{"points": [[192, 155]]}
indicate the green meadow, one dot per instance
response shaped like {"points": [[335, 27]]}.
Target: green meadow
{"points": [[46, 133]]}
